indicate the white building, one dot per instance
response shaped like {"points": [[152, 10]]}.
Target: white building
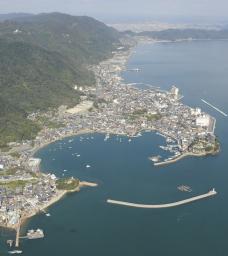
{"points": [[175, 91], [34, 163], [196, 111], [203, 121]]}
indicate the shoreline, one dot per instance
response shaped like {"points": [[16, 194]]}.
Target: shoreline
{"points": [[61, 194], [37, 148]]}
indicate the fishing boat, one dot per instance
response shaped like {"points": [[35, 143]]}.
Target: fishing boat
{"points": [[155, 158], [15, 252]]}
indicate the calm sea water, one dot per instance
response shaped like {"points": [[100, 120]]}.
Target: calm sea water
{"points": [[84, 224]]}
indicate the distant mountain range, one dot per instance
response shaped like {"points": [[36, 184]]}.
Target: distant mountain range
{"points": [[11, 16], [178, 34], [42, 58]]}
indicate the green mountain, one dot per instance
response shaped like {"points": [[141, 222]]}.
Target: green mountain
{"points": [[79, 38], [42, 58]]}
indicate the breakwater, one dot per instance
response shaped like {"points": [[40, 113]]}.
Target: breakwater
{"points": [[215, 108], [168, 205]]}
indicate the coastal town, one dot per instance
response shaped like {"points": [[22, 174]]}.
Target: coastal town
{"points": [[112, 107]]}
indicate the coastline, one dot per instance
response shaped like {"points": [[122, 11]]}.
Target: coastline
{"points": [[187, 154], [39, 147], [62, 193]]}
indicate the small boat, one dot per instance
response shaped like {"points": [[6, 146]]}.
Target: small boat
{"points": [[48, 214], [155, 158], [184, 188], [15, 251], [64, 170], [88, 166], [78, 155], [107, 137]]}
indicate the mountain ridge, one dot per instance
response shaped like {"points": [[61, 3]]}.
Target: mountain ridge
{"points": [[42, 58]]}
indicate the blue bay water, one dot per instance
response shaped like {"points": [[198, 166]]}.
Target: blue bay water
{"points": [[84, 224]]}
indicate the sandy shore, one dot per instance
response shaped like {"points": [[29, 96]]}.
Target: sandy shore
{"points": [[81, 132]]}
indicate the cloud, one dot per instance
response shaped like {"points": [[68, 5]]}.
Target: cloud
{"points": [[120, 7]]}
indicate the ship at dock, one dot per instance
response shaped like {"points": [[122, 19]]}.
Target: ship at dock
{"points": [[35, 234], [15, 252]]}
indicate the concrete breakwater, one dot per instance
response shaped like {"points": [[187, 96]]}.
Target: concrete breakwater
{"points": [[168, 205]]}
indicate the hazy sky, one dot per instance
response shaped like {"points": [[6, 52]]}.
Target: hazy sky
{"points": [[102, 9]]}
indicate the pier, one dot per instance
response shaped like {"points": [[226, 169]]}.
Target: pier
{"points": [[173, 160], [169, 205], [217, 109], [17, 240]]}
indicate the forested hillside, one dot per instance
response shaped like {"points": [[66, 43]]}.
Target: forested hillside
{"points": [[42, 58]]}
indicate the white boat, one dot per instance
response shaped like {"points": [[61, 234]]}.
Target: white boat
{"points": [[35, 234], [107, 137], [155, 158], [78, 155], [48, 214], [15, 251], [88, 166]]}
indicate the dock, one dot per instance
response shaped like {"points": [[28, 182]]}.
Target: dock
{"points": [[17, 240], [215, 108], [173, 160], [168, 205]]}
